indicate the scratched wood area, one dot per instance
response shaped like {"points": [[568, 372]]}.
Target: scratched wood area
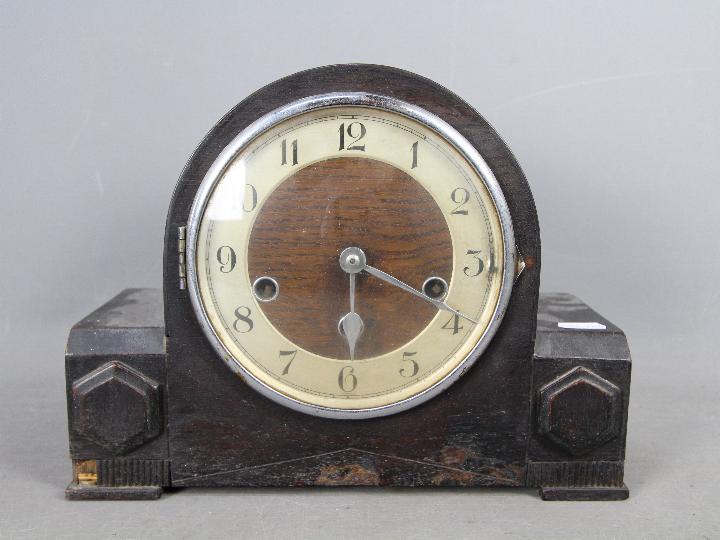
{"points": [[328, 206]]}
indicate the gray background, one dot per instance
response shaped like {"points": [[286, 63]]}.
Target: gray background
{"points": [[613, 110]]}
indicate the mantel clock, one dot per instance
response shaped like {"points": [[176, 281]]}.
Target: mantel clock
{"points": [[350, 297]]}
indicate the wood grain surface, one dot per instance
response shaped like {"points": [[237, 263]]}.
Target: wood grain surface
{"points": [[329, 206]]}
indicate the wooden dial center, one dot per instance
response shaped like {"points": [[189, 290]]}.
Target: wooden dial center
{"points": [[312, 217]]}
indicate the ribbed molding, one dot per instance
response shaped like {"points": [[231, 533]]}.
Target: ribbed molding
{"points": [[133, 472], [575, 473]]}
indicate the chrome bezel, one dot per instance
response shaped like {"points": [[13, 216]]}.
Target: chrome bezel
{"points": [[373, 101]]}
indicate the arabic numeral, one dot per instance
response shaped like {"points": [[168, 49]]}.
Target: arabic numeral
{"points": [[460, 196], [347, 381], [414, 155], [412, 369], [453, 324], [250, 193], [243, 323], [227, 259], [291, 356], [355, 131], [478, 265], [293, 150]]}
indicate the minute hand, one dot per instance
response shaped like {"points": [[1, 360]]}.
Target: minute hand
{"points": [[404, 286]]}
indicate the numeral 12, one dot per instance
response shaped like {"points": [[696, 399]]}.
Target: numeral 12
{"points": [[355, 131]]}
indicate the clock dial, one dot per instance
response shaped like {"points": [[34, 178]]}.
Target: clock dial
{"points": [[349, 259]]}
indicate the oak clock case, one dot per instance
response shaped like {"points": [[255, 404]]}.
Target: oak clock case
{"points": [[350, 298]]}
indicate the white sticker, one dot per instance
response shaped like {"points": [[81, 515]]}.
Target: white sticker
{"points": [[582, 325]]}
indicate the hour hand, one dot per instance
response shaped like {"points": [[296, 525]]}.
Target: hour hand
{"points": [[351, 324]]}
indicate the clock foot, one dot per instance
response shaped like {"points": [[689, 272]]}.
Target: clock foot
{"points": [[118, 479], [584, 493], [80, 492]]}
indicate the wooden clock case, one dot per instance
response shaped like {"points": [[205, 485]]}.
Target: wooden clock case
{"points": [[150, 404]]}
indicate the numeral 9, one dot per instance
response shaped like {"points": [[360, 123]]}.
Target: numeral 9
{"points": [[227, 259]]}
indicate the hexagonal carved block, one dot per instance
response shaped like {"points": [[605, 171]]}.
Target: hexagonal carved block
{"points": [[579, 411], [117, 407]]}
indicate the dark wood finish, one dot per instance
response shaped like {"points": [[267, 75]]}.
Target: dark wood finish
{"points": [[220, 427], [494, 427], [579, 411], [596, 475], [596, 361], [131, 323], [75, 492], [328, 206], [115, 377], [116, 407], [132, 472], [581, 390], [594, 493], [575, 473]]}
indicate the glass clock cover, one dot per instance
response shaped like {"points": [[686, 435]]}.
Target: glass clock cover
{"points": [[350, 255]]}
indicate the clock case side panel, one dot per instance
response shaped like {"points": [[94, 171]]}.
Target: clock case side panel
{"points": [[222, 432]]}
